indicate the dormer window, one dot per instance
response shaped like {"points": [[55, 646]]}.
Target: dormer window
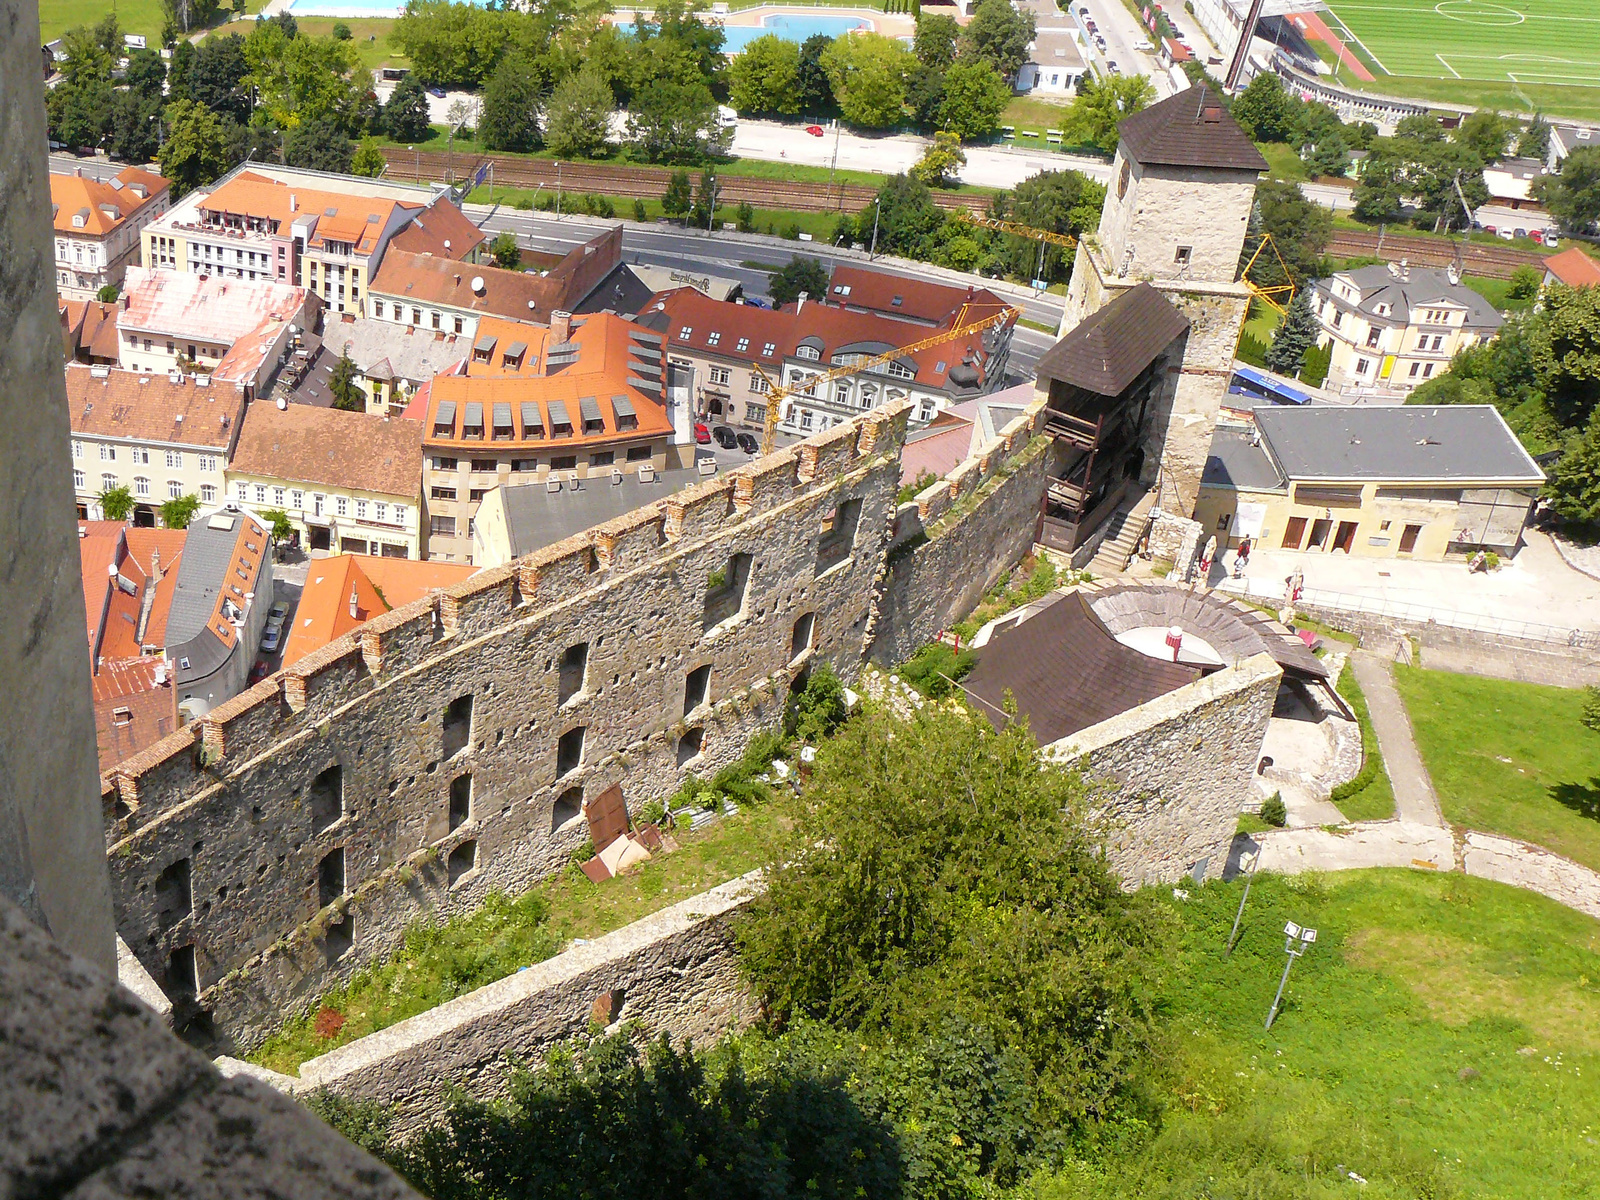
{"points": [[472, 421], [809, 353], [768, 350]]}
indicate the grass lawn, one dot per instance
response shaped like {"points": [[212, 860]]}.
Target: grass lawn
{"points": [[818, 225], [1509, 758], [1441, 1039], [1375, 801], [1261, 323], [1283, 162], [438, 963], [371, 38], [1494, 291], [1342, 220]]}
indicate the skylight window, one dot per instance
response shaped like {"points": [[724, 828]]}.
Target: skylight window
{"points": [[684, 331], [769, 349], [713, 338], [744, 344]]}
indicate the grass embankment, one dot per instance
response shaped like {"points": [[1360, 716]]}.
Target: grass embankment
{"points": [[773, 221], [440, 962], [1342, 220], [1509, 758], [1497, 293], [1441, 1039], [1369, 796], [369, 35]]}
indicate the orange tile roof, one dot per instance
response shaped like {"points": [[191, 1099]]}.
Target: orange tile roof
{"points": [[304, 444], [894, 295], [155, 549], [1574, 268], [148, 407], [610, 363], [380, 584], [99, 204], [358, 220], [440, 223], [131, 709]]}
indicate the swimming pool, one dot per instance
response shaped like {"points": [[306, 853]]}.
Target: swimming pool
{"points": [[789, 28]]}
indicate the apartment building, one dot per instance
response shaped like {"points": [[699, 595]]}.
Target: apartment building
{"points": [[98, 224], [234, 329], [435, 294], [162, 437], [392, 361], [579, 400], [321, 232], [349, 482], [220, 601], [721, 356], [1394, 326]]}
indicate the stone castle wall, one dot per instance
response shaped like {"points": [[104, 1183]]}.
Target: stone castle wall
{"points": [[289, 836], [1173, 773], [674, 972], [959, 535]]}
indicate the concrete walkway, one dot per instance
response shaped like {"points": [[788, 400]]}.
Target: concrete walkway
{"points": [[1414, 797], [1418, 837]]}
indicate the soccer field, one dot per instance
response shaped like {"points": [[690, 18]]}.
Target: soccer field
{"points": [[1513, 46]]}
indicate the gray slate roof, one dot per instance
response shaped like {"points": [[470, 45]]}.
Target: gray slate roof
{"points": [[1462, 444], [537, 517], [1190, 129], [207, 559], [1421, 287], [400, 351], [1237, 460]]}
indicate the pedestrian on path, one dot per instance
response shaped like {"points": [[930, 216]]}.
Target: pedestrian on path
{"points": [[1241, 559]]}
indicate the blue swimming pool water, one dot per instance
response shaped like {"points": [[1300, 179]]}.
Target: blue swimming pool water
{"points": [[789, 28]]}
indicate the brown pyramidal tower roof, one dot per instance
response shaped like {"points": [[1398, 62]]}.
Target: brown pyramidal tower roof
{"points": [[1191, 129]]}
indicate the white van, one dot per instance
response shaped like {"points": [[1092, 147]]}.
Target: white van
{"points": [[1143, 44], [726, 117]]}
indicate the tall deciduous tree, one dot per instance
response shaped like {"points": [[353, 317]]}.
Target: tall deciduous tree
{"points": [[510, 119], [974, 97], [216, 76], [179, 511], [675, 201], [195, 150], [1300, 231], [1573, 196], [1264, 110], [116, 503], [935, 43], [798, 275], [941, 162], [867, 73], [1296, 334], [814, 90], [907, 218], [1101, 103], [578, 116], [1000, 35], [673, 122], [765, 78], [1574, 483], [319, 145]]}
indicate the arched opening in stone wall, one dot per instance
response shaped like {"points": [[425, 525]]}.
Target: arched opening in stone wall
{"points": [[463, 859]]}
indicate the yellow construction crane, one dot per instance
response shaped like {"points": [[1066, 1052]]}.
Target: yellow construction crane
{"points": [[778, 392], [1027, 231], [1268, 295]]}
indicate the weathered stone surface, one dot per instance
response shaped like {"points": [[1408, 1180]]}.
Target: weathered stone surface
{"points": [[97, 1099], [674, 972], [1174, 772]]}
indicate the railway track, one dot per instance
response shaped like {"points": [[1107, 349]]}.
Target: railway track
{"points": [[645, 183], [1493, 262]]}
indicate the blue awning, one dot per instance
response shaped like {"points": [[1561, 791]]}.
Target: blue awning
{"points": [[1274, 387]]}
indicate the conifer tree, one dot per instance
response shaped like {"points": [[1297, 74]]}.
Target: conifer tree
{"points": [[1296, 335]]}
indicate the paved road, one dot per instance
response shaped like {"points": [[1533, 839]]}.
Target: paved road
{"points": [[1119, 28]]}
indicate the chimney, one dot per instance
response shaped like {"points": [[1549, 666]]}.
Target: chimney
{"points": [[560, 326], [355, 605], [294, 205], [800, 304], [122, 301]]}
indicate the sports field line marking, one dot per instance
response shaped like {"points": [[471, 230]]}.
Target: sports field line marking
{"points": [[1447, 65], [1351, 37]]}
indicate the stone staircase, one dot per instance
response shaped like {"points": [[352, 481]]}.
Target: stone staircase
{"points": [[1126, 527]]}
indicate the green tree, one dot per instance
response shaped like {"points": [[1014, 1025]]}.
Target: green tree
{"points": [[867, 73], [813, 90], [765, 78], [279, 526], [1564, 345], [1300, 231], [86, 56], [135, 125], [146, 74], [505, 251], [1534, 140], [1101, 103], [406, 114], [195, 151], [178, 512], [319, 145], [935, 43], [974, 97], [108, 34], [1328, 155], [941, 162], [454, 43], [183, 56], [1573, 196], [368, 160], [116, 503], [510, 119], [1296, 334], [347, 393], [303, 79], [795, 276], [1486, 133], [1525, 283], [745, 217], [673, 122], [1377, 197], [1056, 201], [819, 709], [1264, 110], [706, 203], [216, 76], [109, 293], [1000, 35], [940, 872], [341, 31], [908, 219], [678, 197], [578, 116], [189, 15], [82, 113], [1573, 486]]}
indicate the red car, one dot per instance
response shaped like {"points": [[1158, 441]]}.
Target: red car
{"points": [[814, 130], [701, 433], [259, 672]]}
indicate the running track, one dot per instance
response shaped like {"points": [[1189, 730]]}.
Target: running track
{"points": [[1315, 27]]}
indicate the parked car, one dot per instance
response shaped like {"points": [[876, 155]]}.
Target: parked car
{"points": [[436, 91], [279, 612], [724, 436], [1112, 68], [1143, 44], [747, 442], [701, 433], [1507, 234], [272, 637], [814, 130], [1537, 235], [1550, 238], [259, 672]]}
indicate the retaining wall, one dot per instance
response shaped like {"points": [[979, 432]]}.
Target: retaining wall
{"points": [[675, 972], [1171, 775]]}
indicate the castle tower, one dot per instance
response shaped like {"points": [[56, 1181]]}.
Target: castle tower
{"points": [[1175, 217]]}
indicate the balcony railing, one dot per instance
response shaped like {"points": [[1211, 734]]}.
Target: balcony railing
{"points": [[1074, 430]]}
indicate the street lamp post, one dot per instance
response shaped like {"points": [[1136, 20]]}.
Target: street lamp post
{"points": [[558, 189], [1296, 941], [873, 252], [711, 203]]}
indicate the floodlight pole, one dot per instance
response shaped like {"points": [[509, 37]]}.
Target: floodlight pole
{"points": [[1293, 935], [1255, 862]]}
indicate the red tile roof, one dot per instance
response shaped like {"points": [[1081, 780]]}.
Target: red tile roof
{"points": [[131, 710], [380, 585], [440, 223], [152, 408], [304, 444], [910, 299], [1574, 267], [341, 217]]}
